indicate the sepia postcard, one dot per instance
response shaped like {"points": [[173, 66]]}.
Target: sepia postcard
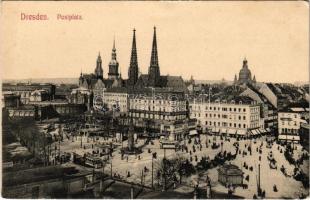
{"points": [[155, 99]]}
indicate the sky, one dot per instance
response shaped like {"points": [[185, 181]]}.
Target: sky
{"points": [[208, 40]]}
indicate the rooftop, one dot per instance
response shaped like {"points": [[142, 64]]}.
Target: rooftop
{"points": [[38, 174]]}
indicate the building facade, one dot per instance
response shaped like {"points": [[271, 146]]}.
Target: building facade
{"points": [[116, 99], [290, 121], [156, 105], [238, 116], [27, 91], [81, 96], [9, 99], [269, 115]]}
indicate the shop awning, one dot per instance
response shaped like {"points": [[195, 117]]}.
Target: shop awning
{"points": [[252, 132], [241, 132], [262, 130], [223, 130], [268, 130], [257, 131], [231, 131], [217, 129], [193, 132], [289, 137]]}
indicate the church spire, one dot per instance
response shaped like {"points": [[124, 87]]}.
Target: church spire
{"points": [[133, 58], [154, 72], [154, 56], [133, 67], [235, 80], [99, 70], [113, 65], [114, 43], [114, 50]]}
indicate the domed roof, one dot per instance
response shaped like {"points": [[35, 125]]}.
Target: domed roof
{"points": [[245, 73]]}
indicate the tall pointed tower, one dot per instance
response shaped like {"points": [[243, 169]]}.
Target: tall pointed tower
{"points": [[154, 72], [133, 67], [235, 80], [113, 65], [98, 70], [254, 79]]}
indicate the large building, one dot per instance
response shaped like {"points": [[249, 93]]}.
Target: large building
{"points": [[81, 96], [245, 75], [97, 84], [290, 121], [269, 113], [155, 106], [238, 115], [31, 92], [154, 78], [94, 80], [116, 99], [280, 95], [9, 99]]}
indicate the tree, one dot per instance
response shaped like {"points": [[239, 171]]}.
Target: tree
{"points": [[172, 170]]}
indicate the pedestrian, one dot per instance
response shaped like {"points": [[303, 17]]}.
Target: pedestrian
{"points": [[275, 189], [263, 194]]}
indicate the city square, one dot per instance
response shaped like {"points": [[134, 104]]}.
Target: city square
{"points": [[150, 100]]}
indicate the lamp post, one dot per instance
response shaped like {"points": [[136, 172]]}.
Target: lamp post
{"points": [[153, 156]]}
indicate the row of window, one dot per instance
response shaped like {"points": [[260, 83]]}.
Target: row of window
{"points": [[114, 100], [222, 108], [226, 109], [289, 123], [115, 95], [155, 101], [225, 124], [255, 109], [156, 116], [164, 109], [288, 115], [254, 117], [254, 125], [288, 130], [223, 116]]}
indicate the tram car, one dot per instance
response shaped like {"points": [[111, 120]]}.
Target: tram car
{"points": [[93, 161]]}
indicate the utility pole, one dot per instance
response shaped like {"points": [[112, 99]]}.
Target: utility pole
{"points": [[101, 181], [164, 171], [259, 189], [111, 166], [152, 171], [131, 192]]}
